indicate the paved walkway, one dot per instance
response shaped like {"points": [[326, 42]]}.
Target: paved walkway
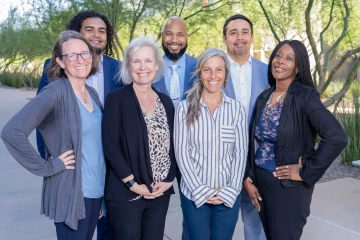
{"points": [[335, 210]]}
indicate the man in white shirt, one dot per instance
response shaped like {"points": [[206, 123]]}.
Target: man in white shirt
{"points": [[247, 79]]}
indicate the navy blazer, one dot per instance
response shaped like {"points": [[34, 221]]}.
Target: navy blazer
{"points": [[303, 116], [258, 84], [190, 67], [111, 67]]}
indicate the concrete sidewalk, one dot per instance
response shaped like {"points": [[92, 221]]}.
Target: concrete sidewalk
{"points": [[335, 210]]}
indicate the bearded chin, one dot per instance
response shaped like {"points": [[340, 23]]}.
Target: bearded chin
{"points": [[98, 51], [173, 56]]}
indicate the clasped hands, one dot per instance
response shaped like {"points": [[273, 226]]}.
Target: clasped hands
{"points": [[215, 199], [158, 189]]}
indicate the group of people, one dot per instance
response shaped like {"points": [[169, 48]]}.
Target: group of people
{"points": [[236, 133]]}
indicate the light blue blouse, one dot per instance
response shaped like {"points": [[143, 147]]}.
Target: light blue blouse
{"points": [[92, 162]]}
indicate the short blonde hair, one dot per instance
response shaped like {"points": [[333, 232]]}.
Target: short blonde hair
{"points": [[135, 45]]}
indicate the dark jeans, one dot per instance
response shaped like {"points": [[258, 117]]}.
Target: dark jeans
{"points": [[86, 226], [103, 229], [140, 219], [283, 210], [215, 222]]}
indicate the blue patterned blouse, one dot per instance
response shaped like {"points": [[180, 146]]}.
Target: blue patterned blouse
{"points": [[266, 136]]}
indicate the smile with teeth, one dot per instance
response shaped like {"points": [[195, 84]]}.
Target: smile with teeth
{"points": [[143, 74], [174, 46], [279, 69], [213, 82]]}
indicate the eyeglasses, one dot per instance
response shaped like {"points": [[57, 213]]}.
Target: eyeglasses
{"points": [[72, 57]]}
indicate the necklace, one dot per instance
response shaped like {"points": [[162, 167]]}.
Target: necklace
{"points": [[270, 108], [82, 94]]}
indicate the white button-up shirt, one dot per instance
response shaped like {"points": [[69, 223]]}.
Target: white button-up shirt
{"points": [[97, 81], [241, 77], [211, 153]]}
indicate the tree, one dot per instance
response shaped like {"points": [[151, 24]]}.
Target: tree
{"points": [[326, 23]]}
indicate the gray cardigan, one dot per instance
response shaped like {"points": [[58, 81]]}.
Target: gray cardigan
{"points": [[56, 114]]}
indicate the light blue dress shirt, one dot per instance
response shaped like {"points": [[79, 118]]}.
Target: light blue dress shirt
{"points": [[181, 63]]}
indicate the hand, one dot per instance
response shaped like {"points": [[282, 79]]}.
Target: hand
{"points": [[68, 158], [100, 214], [140, 189], [253, 193], [214, 200], [290, 172], [158, 190]]}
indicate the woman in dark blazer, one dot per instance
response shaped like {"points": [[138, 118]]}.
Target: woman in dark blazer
{"points": [[138, 144], [283, 164]]}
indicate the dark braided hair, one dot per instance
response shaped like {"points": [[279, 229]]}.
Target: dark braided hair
{"points": [[301, 62], [76, 22]]}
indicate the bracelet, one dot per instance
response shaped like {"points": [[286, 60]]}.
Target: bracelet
{"points": [[130, 183]]}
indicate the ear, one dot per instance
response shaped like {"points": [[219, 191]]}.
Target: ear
{"points": [[297, 70], [157, 67], [60, 62], [224, 39]]}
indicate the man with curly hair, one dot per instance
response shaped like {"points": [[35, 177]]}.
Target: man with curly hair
{"points": [[97, 29]]}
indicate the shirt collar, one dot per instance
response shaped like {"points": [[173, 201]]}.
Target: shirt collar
{"points": [[224, 99], [232, 62], [180, 63], [100, 66]]}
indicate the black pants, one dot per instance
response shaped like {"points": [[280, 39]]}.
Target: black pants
{"points": [[140, 219], [283, 210], [86, 226]]}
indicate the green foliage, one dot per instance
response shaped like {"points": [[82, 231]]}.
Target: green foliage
{"points": [[19, 79], [350, 119]]}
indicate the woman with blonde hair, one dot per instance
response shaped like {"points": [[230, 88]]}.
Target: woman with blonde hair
{"points": [[211, 143]]}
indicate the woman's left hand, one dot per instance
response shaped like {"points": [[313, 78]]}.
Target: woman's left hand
{"points": [[158, 190], [290, 172], [100, 214], [214, 200]]}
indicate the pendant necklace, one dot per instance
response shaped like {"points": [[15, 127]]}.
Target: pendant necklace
{"points": [[84, 98]]}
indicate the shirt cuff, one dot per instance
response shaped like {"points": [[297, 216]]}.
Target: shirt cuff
{"points": [[228, 195], [199, 195]]}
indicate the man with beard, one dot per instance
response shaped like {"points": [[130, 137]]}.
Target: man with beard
{"points": [[247, 79], [97, 29], [180, 69], [181, 66]]}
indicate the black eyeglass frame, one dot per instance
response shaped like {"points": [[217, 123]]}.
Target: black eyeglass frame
{"points": [[77, 55]]}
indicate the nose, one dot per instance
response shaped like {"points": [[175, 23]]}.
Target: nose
{"points": [[212, 75], [95, 33]]}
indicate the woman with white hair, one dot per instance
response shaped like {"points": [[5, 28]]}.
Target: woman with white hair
{"points": [[137, 138], [211, 143]]}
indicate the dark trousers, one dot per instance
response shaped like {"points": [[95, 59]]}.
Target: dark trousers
{"points": [[139, 219], [86, 226], [283, 210], [103, 229], [215, 222]]}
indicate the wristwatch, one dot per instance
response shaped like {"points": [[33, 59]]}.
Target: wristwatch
{"points": [[130, 183]]}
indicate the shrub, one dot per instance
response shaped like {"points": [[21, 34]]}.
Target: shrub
{"points": [[19, 79], [350, 120]]}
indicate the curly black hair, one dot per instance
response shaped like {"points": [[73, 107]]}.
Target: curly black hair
{"points": [[76, 22], [301, 62]]}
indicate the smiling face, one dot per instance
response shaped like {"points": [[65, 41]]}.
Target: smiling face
{"points": [[143, 66], [79, 69], [238, 38], [213, 74], [174, 38], [94, 30], [283, 66]]}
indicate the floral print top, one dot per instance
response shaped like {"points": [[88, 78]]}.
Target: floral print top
{"points": [[266, 136]]}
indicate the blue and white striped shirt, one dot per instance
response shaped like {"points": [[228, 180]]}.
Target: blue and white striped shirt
{"points": [[211, 153]]}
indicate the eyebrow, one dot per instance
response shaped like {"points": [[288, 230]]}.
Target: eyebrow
{"points": [[239, 29], [92, 27]]}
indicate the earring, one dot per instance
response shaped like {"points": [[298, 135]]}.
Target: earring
{"points": [[224, 83]]}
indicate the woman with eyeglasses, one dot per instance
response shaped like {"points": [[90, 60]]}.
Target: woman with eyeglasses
{"points": [[68, 114]]}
